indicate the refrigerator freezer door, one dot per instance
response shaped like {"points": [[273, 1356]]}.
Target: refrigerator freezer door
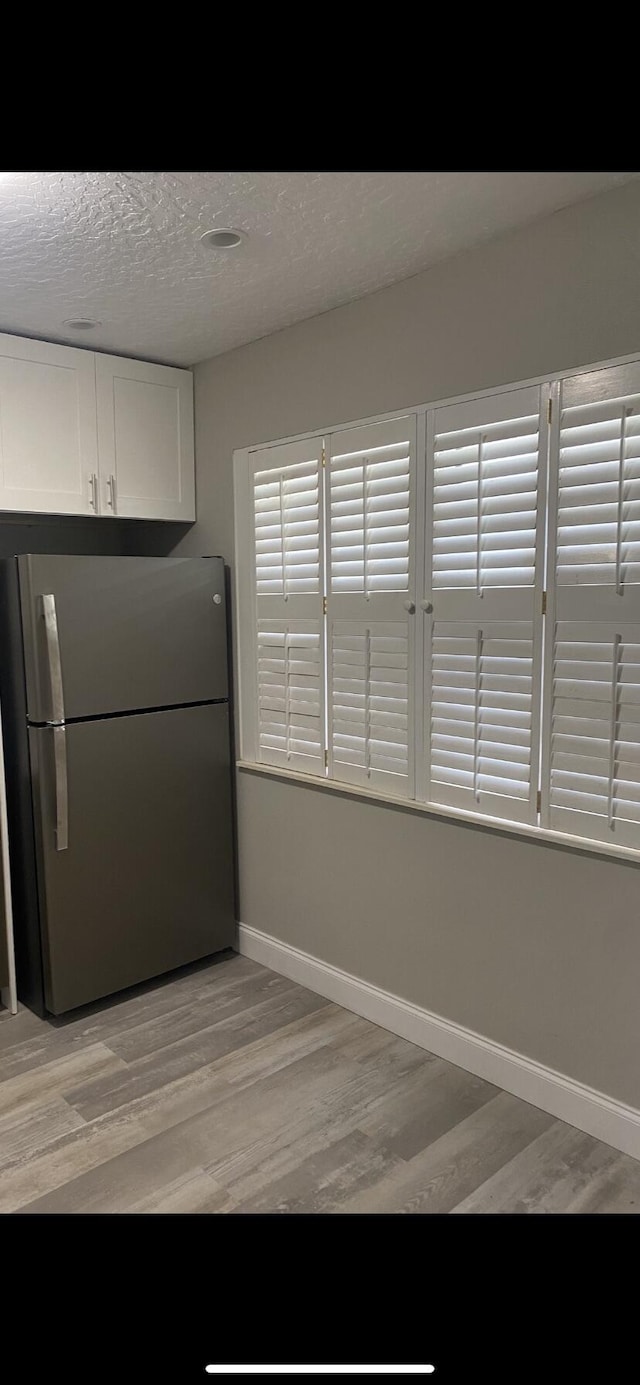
{"points": [[132, 632], [145, 883]]}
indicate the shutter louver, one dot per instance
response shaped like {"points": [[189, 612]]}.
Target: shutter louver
{"points": [[370, 705], [290, 695], [483, 641]]}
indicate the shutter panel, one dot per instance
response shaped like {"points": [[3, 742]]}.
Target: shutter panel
{"points": [[370, 493], [371, 604], [482, 715], [598, 480], [290, 695], [288, 588], [594, 788], [591, 749], [485, 500], [370, 704], [485, 526], [287, 513]]}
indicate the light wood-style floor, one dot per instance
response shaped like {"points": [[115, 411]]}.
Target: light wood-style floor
{"points": [[231, 1089]]}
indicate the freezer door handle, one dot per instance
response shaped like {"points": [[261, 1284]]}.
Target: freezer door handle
{"points": [[62, 791], [53, 656]]}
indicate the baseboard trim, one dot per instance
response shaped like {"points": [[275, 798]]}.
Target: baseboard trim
{"points": [[598, 1115]]}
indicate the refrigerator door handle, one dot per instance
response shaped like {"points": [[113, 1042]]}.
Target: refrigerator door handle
{"points": [[53, 656], [62, 791]]}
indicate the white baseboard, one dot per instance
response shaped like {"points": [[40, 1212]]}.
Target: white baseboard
{"points": [[581, 1106]]}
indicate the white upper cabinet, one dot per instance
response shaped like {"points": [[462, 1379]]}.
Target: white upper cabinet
{"points": [[86, 434], [48, 445], [145, 439]]}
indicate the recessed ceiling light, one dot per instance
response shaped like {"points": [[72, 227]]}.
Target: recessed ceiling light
{"points": [[223, 238], [81, 324]]}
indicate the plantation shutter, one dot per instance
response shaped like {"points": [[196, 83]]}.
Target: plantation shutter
{"points": [[288, 587], [483, 600], [371, 604], [591, 780]]}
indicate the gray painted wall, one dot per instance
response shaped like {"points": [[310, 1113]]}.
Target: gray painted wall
{"points": [[533, 945]]}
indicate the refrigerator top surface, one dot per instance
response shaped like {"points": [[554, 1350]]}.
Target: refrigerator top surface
{"points": [[121, 634]]}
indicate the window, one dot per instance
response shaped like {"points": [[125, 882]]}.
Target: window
{"points": [[444, 606]]}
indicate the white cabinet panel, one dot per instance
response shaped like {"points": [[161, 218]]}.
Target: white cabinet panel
{"points": [[145, 439], [48, 452]]}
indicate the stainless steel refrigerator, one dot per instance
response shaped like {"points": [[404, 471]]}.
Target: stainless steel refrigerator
{"points": [[114, 684]]}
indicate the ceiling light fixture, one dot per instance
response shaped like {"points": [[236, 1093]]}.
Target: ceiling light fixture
{"points": [[224, 238], [81, 324]]}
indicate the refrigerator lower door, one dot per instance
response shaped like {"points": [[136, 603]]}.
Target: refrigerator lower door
{"points": [[134, 842]]}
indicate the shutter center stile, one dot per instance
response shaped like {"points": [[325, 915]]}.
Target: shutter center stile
{"points": [[287, 691], [283, 532], [613, 732], [365, 527], [476, 724], [367, 700], [481, 441], [620, 515]]}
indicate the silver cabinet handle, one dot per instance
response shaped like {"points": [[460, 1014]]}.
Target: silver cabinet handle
{"points": [[409, 606], [62, 791], [93, 492], [53, 656], [427, 606], [111, 487]]}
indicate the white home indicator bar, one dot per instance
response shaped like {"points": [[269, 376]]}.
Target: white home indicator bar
{"points": [[320, 1370]]}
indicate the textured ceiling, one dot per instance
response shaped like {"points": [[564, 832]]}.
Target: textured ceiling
{"points": [[125, 248]]}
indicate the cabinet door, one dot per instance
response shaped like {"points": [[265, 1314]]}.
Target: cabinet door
{"points": [[145, 439], [48, 454]]}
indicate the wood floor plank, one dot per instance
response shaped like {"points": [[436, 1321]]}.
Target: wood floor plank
{"points": [[615, 1189], [34, 1126], [218, 1039], [160, 1110], [209, 1007], [359, 1088], [255, 1112], [92, 1063], [449, 1169], [559, 1163], [322, 1180], [199, 1193], [442, 1096], [229, 1089], [106, 1020]]}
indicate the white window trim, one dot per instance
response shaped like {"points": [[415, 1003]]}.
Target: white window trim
{"points": [[245, 622]]}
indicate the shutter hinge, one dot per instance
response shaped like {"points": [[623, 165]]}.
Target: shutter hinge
{"points": [[544, 603], [324, 455], [326, 759], [549, 410], [539, 801], [324, 605]]}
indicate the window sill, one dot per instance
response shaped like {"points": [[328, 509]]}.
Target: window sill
{"points": [[512, 829]]}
